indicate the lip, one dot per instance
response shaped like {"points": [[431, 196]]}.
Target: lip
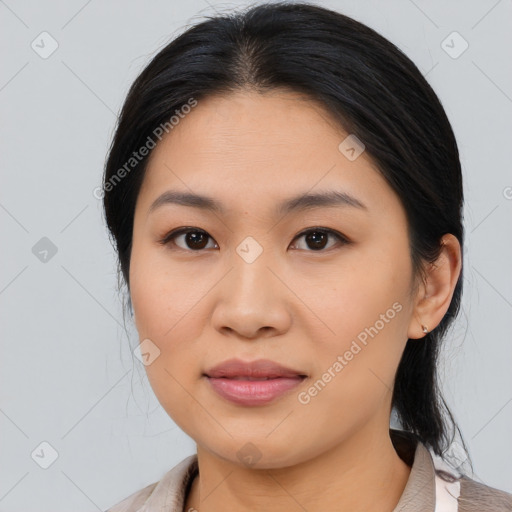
{"points": [[260, 368], [232, 381]]}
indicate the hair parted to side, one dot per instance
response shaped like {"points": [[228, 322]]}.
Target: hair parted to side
{"points": [[373, 91]]}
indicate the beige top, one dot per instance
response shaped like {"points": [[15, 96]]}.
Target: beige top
{"points": [[425, 491]]}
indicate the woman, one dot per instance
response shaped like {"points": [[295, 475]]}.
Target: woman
{"points": [[285, 195]]}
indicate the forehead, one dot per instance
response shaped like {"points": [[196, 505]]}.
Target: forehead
{"points": [[257, 147]]}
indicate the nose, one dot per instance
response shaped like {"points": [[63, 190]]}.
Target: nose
{"points": [[252, 302]]}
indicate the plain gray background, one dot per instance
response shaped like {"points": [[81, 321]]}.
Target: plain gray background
{"points": [[68, 377]]}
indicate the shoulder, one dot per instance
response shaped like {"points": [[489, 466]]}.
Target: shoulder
{"points": [[478, 497], [166, 494]]}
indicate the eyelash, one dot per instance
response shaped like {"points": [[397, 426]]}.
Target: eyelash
{"points": [[181, 231]]}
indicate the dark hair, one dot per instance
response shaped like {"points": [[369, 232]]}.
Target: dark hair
{"points": [[374, 92]]}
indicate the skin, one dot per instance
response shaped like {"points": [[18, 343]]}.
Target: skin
{"points": [[295, 305]]}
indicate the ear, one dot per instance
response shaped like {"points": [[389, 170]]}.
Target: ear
{"points": [[435, 293]]}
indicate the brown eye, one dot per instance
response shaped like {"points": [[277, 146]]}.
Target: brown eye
{"points": [[192, 238], [317, 239]]}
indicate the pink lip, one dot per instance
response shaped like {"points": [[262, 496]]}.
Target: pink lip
{"points": [[227, 379], [253, 392]]}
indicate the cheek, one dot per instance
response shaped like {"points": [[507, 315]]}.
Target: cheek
{"points": [[364, 313], [160, 296], [349, 300], [167, 316], [168, 311]]}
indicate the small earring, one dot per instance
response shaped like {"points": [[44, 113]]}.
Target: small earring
{"points": [[425, 328]]}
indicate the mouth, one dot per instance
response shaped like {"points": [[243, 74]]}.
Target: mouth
{"points": [[252, 383], [249, 391]]}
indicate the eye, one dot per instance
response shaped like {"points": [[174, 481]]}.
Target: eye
{"points": [[194, 238], [317, 238]]}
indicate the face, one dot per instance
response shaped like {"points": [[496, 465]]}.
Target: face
{"points": [[324, 289]]}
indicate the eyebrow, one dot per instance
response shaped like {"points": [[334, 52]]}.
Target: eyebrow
{"points": [[300, 202]]}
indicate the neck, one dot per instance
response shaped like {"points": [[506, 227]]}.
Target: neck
{"points": [[363, 473]]}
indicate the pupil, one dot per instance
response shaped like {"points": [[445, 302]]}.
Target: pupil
{"points": [[315, 237], [193, 237]]}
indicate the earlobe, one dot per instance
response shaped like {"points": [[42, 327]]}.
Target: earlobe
{"points": [[434, 297]]}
